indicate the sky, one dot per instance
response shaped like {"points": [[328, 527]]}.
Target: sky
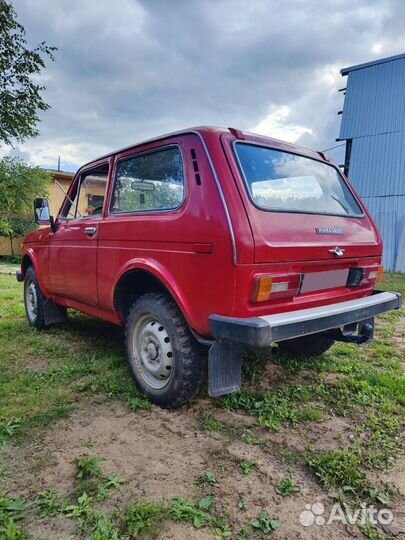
{"points": [[127, 70]]}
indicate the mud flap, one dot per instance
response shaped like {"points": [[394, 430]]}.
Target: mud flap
{"points": [[54, 314], [224, 368]]}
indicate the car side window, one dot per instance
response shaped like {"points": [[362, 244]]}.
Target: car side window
{"points": [[149, 182], [88, 198]]}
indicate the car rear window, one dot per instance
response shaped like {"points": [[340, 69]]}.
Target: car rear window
{"points": [[286, 182]]}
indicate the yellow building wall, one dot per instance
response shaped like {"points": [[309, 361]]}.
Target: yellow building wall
{"points": [[55, 198], [56, 195]]}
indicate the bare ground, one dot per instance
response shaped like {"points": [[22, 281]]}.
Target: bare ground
{"points": [[160, 454]]}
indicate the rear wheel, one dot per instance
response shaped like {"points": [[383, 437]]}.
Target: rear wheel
{"points": [[312, 345], [162, 353], [34, 300]]}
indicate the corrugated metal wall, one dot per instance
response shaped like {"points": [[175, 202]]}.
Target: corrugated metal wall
{"points": [[374, 118]]}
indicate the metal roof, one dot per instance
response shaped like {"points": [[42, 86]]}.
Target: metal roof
{"points": [[375, 100], [346, 70], [374, 119]]}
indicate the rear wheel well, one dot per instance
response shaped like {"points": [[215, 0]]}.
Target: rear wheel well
{"points": [[133, 285]]}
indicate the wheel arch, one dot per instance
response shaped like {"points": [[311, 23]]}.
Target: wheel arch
{"points": [[28, 259], [140, 279]]}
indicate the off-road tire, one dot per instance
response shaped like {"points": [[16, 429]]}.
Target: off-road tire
{"points": [[312, 345], [187, 365], [35, 319]]}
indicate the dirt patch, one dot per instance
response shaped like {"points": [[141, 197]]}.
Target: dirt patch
{"points": [[160, 454], [152, 451], [37, 365]]}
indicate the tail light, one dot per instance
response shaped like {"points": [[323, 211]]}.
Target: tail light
{"points": [[360, 277], [276, 287]]}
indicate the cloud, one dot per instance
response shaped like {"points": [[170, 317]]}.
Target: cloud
{"points": [[131, 69], [278, 125]]}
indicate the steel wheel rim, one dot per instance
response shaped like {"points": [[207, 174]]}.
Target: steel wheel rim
{"points": [[31, 300], [152, 354]]}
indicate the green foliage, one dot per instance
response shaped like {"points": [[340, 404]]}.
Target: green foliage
{"points": [[210, 423], [206, 503], [207, 479], [8, 428], [92, 480], [11, 511], [222, 532], [140, 403], [248, 466], [87, 467], [50, 503], [104, 528], [369, 531], [109, 482], [287, 487], [275, 408], [265, 523], [339, 468], [184, 510], [142, 518], [20, 67], [251, 439], [19, 185]]}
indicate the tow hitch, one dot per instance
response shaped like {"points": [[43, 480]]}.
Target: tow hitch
{"points": [[364, 329]]}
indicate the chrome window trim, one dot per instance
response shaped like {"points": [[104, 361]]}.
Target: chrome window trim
{"points": [[156, 210], [221, 194]]}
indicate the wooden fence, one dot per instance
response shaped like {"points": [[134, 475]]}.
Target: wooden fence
{"points": [[7, 249]]}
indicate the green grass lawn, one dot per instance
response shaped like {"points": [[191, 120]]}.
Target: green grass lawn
{"points": [[47, 375]]}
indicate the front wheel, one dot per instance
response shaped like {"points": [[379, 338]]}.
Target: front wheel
{"points": [[162, 353], [312, 345], [34, 300]]}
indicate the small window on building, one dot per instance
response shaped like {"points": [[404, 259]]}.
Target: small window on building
{"points": [[149, 182], [88, 198]]}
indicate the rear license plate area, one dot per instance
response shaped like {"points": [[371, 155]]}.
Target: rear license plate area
{"points": [[321, 281]]}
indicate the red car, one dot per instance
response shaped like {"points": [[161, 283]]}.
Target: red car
{"points": [[208, 236]]}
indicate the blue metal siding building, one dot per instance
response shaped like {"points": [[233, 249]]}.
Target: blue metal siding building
{"points": [[373, 126]]}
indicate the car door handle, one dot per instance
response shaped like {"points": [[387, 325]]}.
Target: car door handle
{"points": [[90, 231]]}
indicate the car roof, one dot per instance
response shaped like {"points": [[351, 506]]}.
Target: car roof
{"points": [[204, 131]]}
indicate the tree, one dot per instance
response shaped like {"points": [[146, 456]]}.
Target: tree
{"points": [[19, 185], [20, 94]]}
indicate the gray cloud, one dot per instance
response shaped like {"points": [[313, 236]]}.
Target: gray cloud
{"points": [[126, 70]]}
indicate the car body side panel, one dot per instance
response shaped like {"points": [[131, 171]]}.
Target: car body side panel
{"points": [[189, 249]]}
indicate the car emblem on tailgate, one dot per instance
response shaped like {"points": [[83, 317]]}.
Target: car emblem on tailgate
{"points": [[329, 230], [339, 252]]}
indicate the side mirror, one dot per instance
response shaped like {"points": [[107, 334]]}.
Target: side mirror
{"points": [[42, 214]]}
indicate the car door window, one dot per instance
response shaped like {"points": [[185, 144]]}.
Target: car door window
{"points": [[87, 199], [148, 182]]}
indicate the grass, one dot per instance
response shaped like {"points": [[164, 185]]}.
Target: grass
{"points": [[368, 387], [11, 512], [47, 375], [210, 423]]}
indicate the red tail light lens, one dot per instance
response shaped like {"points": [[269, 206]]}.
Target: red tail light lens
{"points": [[361, 277], [276, 287]]}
